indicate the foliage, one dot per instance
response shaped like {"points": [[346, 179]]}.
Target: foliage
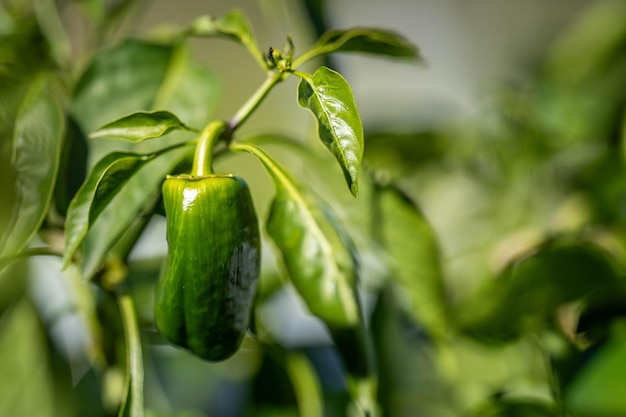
{"points": [[479, 272]]}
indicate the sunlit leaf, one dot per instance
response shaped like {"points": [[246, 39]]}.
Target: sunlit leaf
{"points": [[139, 126], [329, 97], [30, 156], [412, 248], [314, 248], [234, 25], [320, 261], [368, 40], [105, 180]]}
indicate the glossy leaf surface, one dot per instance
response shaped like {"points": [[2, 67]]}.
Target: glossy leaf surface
{"points": [[139, 126], [314, 248], [416, 265], [328, 95], [104, 182], [368, 40], [34, 124]]}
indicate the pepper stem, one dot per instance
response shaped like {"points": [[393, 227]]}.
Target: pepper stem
{"points": [[203, 158]]}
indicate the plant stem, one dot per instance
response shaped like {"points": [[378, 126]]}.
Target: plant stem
{"points": [[309, 55], [203, 158], [134, 374], [253, 102]]}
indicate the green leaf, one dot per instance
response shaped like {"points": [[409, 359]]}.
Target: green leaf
{"points": [[139, 126], [159, 76], [234, 25], [320, 260], [527, 293], [411, 246], [513, 407], [34, 124], [314, 248], [25, 364], [328, 95], [105, 180], [368, 40], [597, 388], [120, 81]]}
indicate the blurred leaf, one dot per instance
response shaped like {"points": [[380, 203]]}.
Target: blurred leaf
{"points": [[105, 180], [32, 150], [580, 95], [527, 293], [53, 28], [368, 40], [328, 95], [600, 32], [398, 155], [24, 365], [295, 389], [158, 76], [597, 390], [511, 407], [600, 311], [139, 126], [73, 166], [411, 378], [234, 25], [416, 263]]}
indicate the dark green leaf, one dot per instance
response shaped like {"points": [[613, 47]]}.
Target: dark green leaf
{"points": [[73, 167], [30, 155], [120, 81], [411, 246], [597, 390], [158, 76], [328, 95], [511, 407], [139, 126], [104, 181], [368, 40], [316, 252], [526, 295]]}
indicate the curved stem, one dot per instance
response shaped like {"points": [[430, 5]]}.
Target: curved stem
{"points": [[310, 54], [134, 366], [253, 102], [203, 158]]}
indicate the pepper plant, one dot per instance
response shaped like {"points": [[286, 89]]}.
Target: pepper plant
{"points": [[501, 293], [205, 296]]}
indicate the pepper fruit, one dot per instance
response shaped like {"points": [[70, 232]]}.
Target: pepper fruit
{"points": [[205, 294]]}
